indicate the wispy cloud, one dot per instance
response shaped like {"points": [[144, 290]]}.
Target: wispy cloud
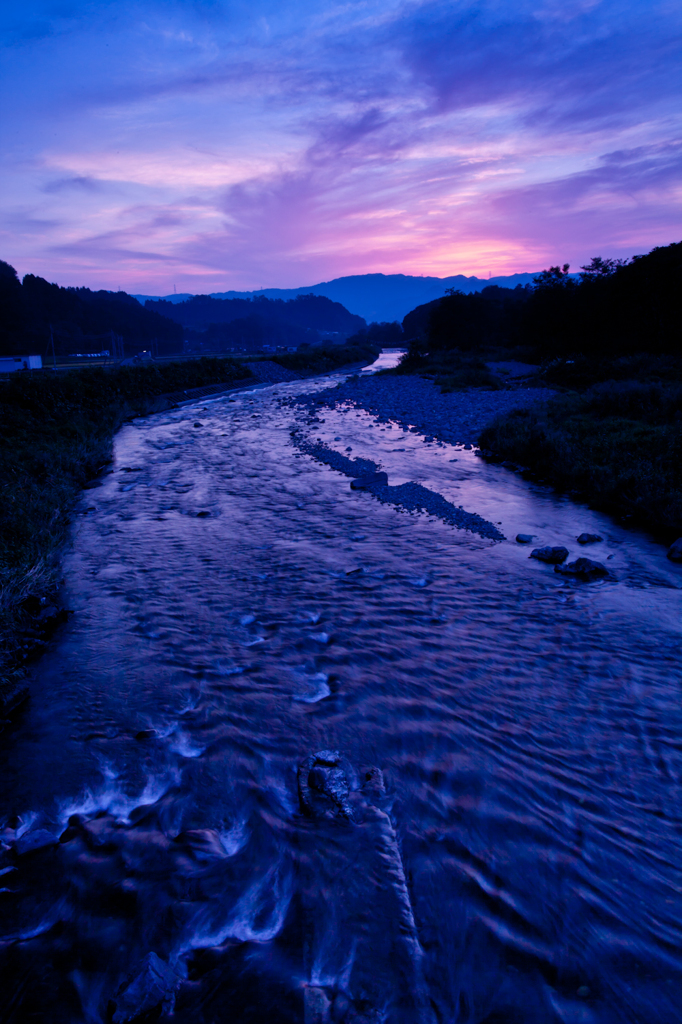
{"points": [[214, 145]]}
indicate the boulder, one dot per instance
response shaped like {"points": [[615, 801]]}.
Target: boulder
{"points": [[675, 551], [361, 483], [524, 538], [316, 1005], [584, 569], [38, 839], [151, 985], [323, 786], [553, 556], [146, 734], [589, 538]]}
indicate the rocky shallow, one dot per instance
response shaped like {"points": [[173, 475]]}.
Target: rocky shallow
{"points": [[410, 496], [413, 402], [417, 405]]}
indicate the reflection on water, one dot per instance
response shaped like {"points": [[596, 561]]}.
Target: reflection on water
{"points": [[238, 609]]}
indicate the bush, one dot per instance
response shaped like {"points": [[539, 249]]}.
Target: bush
{"points": [[619, 445], [452, 370], [324, 360]]}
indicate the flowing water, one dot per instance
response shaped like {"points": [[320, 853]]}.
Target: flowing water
{"points": [[238, 609]]}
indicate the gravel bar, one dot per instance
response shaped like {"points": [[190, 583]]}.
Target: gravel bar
{"points": [[457, 417], [411, 497]]}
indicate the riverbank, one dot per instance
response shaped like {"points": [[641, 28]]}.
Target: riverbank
{"points": [[457, 417], [326, 359], [617, 445]]}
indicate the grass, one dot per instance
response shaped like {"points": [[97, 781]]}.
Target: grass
{"points": [[614, 436], [325, 359], [450, 369], [582, 372], [57, 434], [618, 444]]}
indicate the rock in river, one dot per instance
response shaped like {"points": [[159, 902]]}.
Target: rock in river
{"points": [[323, 786], [361, 483], [524, 538], [151, 986], [554, 556], [675, 551], [38, 839], [584, 569], [589, 538]]}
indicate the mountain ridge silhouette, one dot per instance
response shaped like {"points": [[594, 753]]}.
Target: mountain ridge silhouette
{"points": [[376, 297]]}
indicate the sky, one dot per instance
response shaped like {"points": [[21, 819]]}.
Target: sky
{"points": [[206, 145]]}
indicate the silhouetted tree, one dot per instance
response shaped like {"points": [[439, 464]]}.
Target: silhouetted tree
{"points": [[386, 335], [11, 310], [28, 311]]}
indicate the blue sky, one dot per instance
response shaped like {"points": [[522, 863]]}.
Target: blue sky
{"points": [[210, 145]]}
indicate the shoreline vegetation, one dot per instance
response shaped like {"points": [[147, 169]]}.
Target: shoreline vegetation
{"points": [[616, 445], [326, 359], [57, 438]]}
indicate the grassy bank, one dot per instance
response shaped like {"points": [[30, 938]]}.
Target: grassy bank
{"points": [[450, 369], [617, 444], [324, 360], [57, 435]]}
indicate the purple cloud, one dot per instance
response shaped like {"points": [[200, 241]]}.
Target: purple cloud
{"points": [[212, 147]]}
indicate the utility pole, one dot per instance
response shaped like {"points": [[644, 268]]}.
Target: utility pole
{"points": [[116, 345], [54, 357]]}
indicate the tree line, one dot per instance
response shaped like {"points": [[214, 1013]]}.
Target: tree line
{"points": [[611, 308], [214, 325], [33, 311]]}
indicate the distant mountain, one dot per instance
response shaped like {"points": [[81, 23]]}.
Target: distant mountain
{"points": [[375, 297], [309, 312]]}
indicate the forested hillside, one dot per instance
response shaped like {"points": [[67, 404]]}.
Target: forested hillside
{"points": [[80, 319], [217, 324], [611, 310]]}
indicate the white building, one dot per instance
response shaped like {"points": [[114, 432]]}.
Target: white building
{"points": [[8, 364]]}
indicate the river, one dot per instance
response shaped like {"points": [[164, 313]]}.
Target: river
{"points": [[237, 609]]}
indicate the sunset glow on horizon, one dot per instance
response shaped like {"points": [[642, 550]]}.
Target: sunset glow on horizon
{"points": [[209, 146]]}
